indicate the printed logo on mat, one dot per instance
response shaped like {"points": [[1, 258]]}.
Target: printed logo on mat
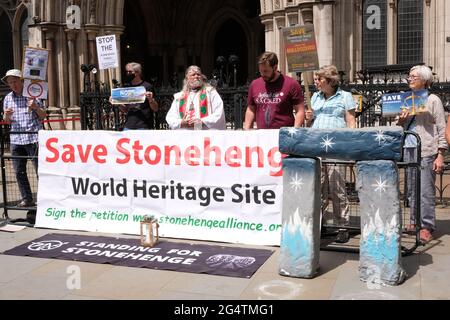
{"points": [[230, 261], [46, 245]]}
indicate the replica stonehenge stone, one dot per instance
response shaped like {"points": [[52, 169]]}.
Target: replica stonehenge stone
{"points": [[375, 150]]}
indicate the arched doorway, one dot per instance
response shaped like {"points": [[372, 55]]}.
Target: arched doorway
{"points": [[229, 43], [6, 43], [166, 37]]}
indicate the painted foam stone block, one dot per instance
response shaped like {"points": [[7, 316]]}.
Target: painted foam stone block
{"points": [[300, 238], [380, 245], [381, 143]]}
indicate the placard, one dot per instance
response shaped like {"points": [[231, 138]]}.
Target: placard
{"points": [[358, 99], [35, 62], [35, 89], [394, 103], [129, 95], [301, 48], [107, 52]]}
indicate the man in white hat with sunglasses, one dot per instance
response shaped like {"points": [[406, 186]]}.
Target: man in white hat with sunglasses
{"points": [[24, 116]]}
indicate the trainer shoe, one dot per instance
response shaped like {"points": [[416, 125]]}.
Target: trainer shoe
{"points": [[425, 235], [25, 204]]}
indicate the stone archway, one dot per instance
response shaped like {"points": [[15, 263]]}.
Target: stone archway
{"points": [[6, 43], [230, 40], [166, 37]]}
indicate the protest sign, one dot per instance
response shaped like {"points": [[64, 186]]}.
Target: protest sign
{"points": [[394, 103], [107, 52], [35, 62], [301, 48], [35, 89], [128, 95]]}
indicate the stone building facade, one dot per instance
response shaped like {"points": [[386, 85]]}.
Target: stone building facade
{"points": [[167, 36]]}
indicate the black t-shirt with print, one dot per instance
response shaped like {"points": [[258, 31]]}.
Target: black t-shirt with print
{"points": [[140, 115]]}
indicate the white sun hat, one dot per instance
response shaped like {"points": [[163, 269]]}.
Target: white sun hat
{"points": [[12, 73]]}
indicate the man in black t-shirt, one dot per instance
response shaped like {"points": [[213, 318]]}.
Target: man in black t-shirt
{"points": [[139, 116]]}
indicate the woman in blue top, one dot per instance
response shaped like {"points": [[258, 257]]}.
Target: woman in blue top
{"points": [[332, 108]]}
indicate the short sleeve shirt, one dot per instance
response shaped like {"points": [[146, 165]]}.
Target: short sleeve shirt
{"points": [[22, 119], [274, 101], [330, 113]]}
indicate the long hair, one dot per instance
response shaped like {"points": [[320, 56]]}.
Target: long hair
{"points": [[196, 69]]}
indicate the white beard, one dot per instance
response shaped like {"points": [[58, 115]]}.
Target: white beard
{"points": [[195, 84]]}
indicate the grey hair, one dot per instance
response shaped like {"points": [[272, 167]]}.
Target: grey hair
{"points": [[196, 69], [425, 74], [136, 67]]}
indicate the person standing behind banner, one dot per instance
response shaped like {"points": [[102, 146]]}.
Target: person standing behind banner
{"points": [[274, 98], [430, 126], [332, 108], [139, 116], [198, 106], [23, 115]]}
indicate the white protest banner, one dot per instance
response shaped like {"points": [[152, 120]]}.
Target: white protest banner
{"points": [[35, 62], [206, 185], [35, 89], [107, 52], [129, 95]]}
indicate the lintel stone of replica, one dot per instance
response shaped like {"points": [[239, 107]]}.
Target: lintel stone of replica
{"points": [[375, 150], [381, 143]]}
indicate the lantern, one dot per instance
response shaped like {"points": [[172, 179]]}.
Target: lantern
{"points": [[149, 231]]}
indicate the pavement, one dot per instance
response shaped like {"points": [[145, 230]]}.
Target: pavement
{"points": [[26, 278]]}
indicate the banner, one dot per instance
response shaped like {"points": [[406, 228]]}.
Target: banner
{"points": [[301, 48], [165, 255], [207, 185]]}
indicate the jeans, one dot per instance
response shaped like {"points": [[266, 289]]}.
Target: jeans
{"points": [[20, 167], [333, 187], [427, 190]]}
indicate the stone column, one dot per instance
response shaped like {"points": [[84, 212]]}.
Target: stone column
{"points": [[380, 246], [323, 28], [92, 32], [73, 67], [51, 71], [269, 33], [300, 237], [391, 22], [280, 22]]}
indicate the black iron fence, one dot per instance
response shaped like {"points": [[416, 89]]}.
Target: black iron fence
{"points": [[97, 113]]}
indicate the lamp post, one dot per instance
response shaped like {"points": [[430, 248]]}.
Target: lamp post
{"points": [[227, 69], [87, 69]]}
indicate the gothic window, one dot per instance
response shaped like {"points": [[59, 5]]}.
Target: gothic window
{"points": [[410, 31], [24, 29], [374, 38]]}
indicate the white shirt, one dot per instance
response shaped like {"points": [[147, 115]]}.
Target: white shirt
{"points": [[216, 115]]}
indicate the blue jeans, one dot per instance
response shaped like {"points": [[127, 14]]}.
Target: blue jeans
{"points": [[427, 190], [20, 167]]}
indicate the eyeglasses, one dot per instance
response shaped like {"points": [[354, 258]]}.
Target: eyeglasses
{"points": [[413, 77]]}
